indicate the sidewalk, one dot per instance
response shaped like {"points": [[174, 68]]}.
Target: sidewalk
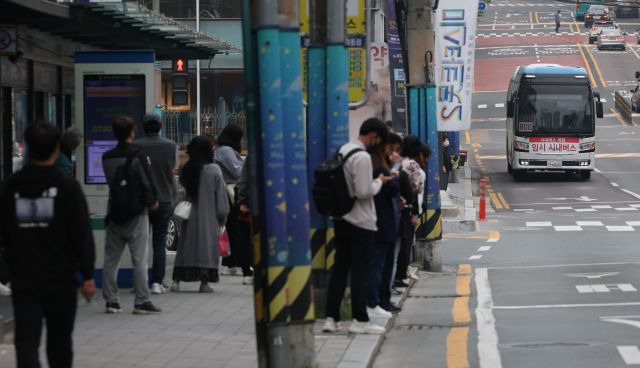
{"points": [[194, 330]]}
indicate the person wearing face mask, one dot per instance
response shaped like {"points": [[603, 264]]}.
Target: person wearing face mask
{"points": [[446, 164], [70, 141]]}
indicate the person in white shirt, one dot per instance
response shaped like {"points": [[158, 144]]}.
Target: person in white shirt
{"points": [[355, 232]]}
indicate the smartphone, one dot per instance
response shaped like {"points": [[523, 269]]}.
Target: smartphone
{"points": [[396, 166]]}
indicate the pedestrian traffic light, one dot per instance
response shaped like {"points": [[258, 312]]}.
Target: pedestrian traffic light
{"points": [[180, 82]]}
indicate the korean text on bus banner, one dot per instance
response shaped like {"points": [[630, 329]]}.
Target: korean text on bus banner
{"points": [[454, 57], [553, 146]]}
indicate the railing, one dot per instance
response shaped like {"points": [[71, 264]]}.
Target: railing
{"points": [[180, 126]]}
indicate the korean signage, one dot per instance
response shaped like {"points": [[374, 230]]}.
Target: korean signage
{"points": [[379, 55], [454, 54], [554, 146], [7, 40], [356, 16], [396, 66], [356, 46]]}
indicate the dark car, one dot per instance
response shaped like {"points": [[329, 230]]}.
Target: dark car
{"points": [[596, 13]]}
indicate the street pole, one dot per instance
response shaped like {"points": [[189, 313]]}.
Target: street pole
{"points": [[337, 109], [422, 120], [198, 128], [316, 141]]}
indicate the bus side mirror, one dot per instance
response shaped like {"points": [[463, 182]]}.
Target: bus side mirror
{"points": [[599, 109], [510, 109]]}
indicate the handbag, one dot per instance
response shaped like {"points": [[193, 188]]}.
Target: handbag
{"points": [[224, 247], [183, 210]]}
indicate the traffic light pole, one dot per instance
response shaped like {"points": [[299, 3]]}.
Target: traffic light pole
{"points": [[198, 127]]}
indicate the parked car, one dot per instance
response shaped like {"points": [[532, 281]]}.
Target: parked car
{"points": [[595, 13], [626, 9], [597, 28], [612, 38]]}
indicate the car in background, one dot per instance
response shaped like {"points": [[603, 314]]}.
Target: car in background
{"points": [[626, 9], [597, 28], [612, 39], [583, 5], [596, 13]]}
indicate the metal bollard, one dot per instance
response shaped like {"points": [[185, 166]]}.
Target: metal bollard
{"points": [[482, 216]]}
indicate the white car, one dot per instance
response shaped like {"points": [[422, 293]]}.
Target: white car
{"points": [[597, 28], [613, 39]]}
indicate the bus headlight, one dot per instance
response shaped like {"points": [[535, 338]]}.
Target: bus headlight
{"points": [[585, 162], [587, 146], [521, 146]]}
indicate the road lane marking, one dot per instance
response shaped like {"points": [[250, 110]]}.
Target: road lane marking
{"points": [[537, 18], [567, 228], [504, 201], [494, 236], [586, 210], [539, 224], [602, 207], [475, 257], [484, 248], [617, 115], [620, 228], [589, 223], [552, 306], [626, 209], [499, 105], [615, 184], [605, 288], [457, 340], [531, 19], [482, 106], [586, 64], [630, 354], [603, 83], [561, 208], [496, 201], [488, 352], [635, 52], [563, 265], [633, 223], [631, 193]]}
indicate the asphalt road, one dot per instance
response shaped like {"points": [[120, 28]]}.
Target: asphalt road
{"points": [[556, 267]]}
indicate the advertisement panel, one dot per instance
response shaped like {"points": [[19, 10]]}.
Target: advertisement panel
{"points": [[454, 61], [396, 64]]}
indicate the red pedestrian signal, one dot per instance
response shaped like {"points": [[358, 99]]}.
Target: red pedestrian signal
{"points": [[180, 65]]}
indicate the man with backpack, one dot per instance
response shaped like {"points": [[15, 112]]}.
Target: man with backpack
{"points": [[355, 230], [131, 195]]}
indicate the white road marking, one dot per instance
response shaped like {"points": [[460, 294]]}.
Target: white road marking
{"points": [[551, 306], [633, 223], [562, 208], [484, 248], [567, 228], [589, 223], [523, 210], [500, 105], [615, 184], [483, 106], [539, 224], [591, 275], [475, 257], [634, 205], [625, 320], [488, 353], [620, 228], [603, 100], [586, 210], [631, 193], [630, 354], [596, 169], [626, 209], [634, 52], [563, 265], [604, 288], [602, 207]]}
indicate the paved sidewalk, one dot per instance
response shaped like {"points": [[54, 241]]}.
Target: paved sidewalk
{"points": [[194, 330]]}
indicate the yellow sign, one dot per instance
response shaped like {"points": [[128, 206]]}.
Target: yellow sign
{"points": [[304, 17], [357, 74], [356, 16]]}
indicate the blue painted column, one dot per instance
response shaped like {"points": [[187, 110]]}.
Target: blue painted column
{"points": [[454, 142]]}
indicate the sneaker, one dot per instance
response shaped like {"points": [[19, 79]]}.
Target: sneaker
{"points": [[395, 291], [224, 270], [113, 308], [365, 328], [247, 280], [146, 308], [413, 273], [5, 290], [391, 308], [156, 288], [378, 312], [400, 284], [330, 326], [175, 287], [206, 288], [163, 289]]}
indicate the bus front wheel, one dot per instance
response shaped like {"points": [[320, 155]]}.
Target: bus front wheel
{"points": [[585, 175]]}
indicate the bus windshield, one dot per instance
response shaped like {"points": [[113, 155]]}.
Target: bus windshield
{"points": [[554, 109]]}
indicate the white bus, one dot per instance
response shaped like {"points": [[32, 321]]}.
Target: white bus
{"points": [[551, 111]]}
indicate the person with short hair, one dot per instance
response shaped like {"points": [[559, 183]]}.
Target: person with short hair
{"points": [[132, 232], [47, 241], [557, 19], [163, 156], [70, 141], [355, 232]]}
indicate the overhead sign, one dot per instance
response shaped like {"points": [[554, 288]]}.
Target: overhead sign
{"points": [[8, 44], [356, 16], [379, 53], [454, 56]]}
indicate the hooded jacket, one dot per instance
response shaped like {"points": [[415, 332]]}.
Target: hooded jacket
{"points": [[46, 229]]}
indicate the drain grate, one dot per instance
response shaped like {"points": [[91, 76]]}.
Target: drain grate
{"points": [[417, 327], [550, 345]]}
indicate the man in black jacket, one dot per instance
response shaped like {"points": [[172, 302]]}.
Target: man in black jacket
{"points": [[47, 239]]}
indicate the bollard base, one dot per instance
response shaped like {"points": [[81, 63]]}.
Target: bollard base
{"points": [[429, 254], [291, 345]]}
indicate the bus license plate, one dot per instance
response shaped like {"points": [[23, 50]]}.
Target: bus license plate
{"points": [[555, 164]]}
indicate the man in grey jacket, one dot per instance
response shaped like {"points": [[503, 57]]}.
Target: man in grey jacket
{"points": [[162, 154]]}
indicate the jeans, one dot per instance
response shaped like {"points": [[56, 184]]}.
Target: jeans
{"points": [[135, 234], [57, 306], [394, 266], [406, 242], [353, 249], [384, 290], [378, 260], [557, 26], [159, 221]]}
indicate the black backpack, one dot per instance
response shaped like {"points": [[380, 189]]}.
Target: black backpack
{"points": [[126, 200], [330, 191]]}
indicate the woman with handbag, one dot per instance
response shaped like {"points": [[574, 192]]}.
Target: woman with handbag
{"points": [[231, 163], [197, 258]]}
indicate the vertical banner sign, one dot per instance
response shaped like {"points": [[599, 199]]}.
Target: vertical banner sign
{"points": [[396, 71], [357, 46], [454, 54]]}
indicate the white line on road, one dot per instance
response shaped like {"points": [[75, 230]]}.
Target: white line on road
{"points": [[633, 223], [596, 169], [551, 306], [631, 193], [500, 105], [475, 257], [539, 224], [620, 228], [483, 106], [615, 184], [488, 352], [567, 228], [602, 207], [484, 248], [586, 210], [563, 265], [561, 208], [635, 52], [630, 354], [589, 223], [626, 209]]}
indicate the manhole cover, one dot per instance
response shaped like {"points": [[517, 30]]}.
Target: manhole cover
{"points": [[550, 345]]}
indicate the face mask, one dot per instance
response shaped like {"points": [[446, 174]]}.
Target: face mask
{"points": [[446, 143]]}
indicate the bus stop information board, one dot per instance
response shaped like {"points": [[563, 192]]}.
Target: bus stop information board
{"points": [[107, 97]]}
